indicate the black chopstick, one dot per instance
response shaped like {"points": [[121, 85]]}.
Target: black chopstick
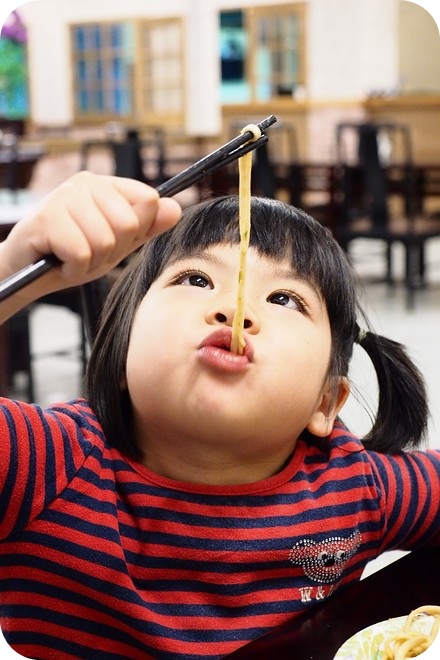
{"points": [[222, 156], [26, 275], [229, 152], [200, 169]]}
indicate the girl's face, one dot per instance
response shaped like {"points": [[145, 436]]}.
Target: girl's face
{"points": [[191, 395]]}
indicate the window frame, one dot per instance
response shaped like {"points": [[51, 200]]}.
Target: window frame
{"points": [[251, 18], [139, 112]]}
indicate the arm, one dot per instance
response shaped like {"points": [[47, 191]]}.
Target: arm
{"points": [[90, 223], [410, 487], [41, 452]]}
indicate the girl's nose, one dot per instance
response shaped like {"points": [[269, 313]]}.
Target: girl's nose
{"points": [[225, 315]]}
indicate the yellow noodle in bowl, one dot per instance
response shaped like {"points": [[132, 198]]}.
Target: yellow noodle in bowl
{"points": [[399, 638], [409, 642]]}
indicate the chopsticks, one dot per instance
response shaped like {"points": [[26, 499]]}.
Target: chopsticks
{"points": [[238, 146], [222, 156]]}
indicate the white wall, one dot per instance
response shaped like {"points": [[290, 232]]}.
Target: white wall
{"points": [[352, 47], [419, 66], [50, 71], [352, 50]]}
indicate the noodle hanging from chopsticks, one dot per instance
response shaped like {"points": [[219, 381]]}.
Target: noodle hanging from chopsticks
{"points": [[409, 643], [244, 195]]}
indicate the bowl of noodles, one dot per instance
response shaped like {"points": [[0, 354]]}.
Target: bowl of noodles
{"points": [[399, 638]]}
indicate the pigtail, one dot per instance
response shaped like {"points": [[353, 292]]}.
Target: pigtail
{"points": [[402, 414]]}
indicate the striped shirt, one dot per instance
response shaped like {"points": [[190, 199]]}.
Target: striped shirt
{"points": [[102, 559]]}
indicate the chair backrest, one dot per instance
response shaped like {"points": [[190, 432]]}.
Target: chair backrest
{"points": [[132, 156], [365, 153], [373, 173], [128, 157], [263, 175], [281, 149]]}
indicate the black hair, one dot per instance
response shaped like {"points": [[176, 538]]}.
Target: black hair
{"points": [[278, 230]]}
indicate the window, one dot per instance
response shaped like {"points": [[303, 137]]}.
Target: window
{"points": [[235, 86], [161, 74], [102, 69], [128, 70], [262, 52]]}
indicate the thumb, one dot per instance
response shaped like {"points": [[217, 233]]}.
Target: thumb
{"points": [[168, 213]]}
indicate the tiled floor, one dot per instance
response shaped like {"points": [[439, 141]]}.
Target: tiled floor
{"points": [[60, 378]]}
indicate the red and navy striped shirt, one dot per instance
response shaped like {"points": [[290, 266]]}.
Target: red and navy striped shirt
{"points": [[101, 558]]}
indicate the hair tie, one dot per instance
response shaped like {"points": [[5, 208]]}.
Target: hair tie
{"points": [[360, 335]]}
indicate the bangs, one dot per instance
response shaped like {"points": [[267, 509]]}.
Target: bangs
{"points": [[277, 231]]}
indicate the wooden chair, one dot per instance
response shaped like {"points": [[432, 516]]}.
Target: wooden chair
{"points": [[132, 155], [376, 197]]}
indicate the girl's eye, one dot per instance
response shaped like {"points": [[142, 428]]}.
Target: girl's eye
{"points": [[286, 299], [191, 278]]}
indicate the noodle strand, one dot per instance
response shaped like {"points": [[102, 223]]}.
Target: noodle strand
{"points": [[408, 643], [244, 195]]}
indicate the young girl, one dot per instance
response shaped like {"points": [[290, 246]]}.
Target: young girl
{"points": [[196, 498]]}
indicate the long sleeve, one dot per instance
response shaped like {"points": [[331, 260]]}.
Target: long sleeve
{"points": [[40, 453], [409, 485]]}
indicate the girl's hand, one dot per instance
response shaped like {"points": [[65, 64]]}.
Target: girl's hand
{"points": [[90, 222]]}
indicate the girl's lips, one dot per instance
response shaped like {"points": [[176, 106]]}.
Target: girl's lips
{"points": [[215, 351]]}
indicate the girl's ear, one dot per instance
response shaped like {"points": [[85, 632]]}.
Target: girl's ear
{"points": [[333, 398]]}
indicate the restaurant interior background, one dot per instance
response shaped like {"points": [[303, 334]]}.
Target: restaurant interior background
{"points": [[186, 75]]}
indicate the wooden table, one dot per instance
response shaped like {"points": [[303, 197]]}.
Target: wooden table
{"points": [[393, 591]]}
